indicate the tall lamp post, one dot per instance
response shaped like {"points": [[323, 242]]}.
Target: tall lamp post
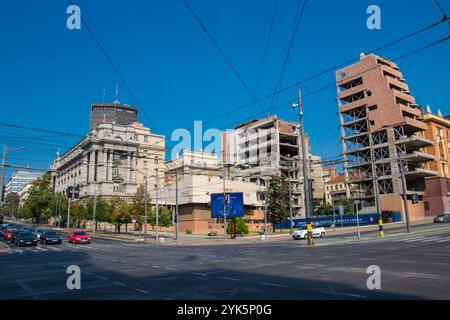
{"points": [[308, 207]]}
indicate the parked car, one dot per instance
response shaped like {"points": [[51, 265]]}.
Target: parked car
{"points": [[25, 238], [16, 233], [442, 218], [38, 232], [302, 233], [78, 237], [50, 236]]}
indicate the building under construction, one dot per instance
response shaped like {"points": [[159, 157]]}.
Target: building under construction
{"points": [[264, 147], [381, 129]]}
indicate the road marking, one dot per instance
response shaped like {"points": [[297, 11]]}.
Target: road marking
{"points": [[228, 278], [101, 278], [432, 239], [273, 285], [120, 283], [41, 249]]}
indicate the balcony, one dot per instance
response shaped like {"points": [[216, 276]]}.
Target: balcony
{"points": [[414, 125], [415, 142], [418, 157], [420, 173]]}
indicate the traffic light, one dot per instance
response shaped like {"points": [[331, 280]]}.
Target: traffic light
{"points": [[3, 193]]}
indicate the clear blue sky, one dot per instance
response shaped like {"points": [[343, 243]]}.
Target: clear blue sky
{"points": [[50, 75]]}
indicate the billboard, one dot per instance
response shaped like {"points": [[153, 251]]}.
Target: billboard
{"points": [[234, 204]]}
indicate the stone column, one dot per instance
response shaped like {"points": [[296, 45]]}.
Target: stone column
{"points": [[104, 166], [128, 171], [133, 168], [91, 166], [110, 165]]}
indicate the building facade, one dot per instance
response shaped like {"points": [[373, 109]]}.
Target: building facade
{"points": [[437, 194], [120, 114], [380, 123], [266, 147], [20, 179]]}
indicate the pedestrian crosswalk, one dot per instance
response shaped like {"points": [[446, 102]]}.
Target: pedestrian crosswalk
{"points": [[425, 239], [61, 248]]}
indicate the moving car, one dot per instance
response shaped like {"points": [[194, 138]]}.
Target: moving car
{"points": [[16, 233], [78, 237], [442, 218], [302, 232], [50, 236], [25, 238]]}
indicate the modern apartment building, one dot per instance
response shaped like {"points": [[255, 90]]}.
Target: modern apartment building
{"points": [[264, 147], [437, 195], [381, 122]]}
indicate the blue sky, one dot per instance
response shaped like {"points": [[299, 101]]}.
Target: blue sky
{"points": [[50, 75]]}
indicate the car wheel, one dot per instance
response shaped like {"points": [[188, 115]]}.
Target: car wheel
{"points": [[322, 235]]}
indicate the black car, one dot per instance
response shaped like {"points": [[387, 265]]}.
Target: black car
{"points": [[15, 234], [25, 239], [442, 218], [50, 236]]}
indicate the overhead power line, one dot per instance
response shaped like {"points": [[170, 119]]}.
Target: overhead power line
{"points": [[286, 57], [228, 61], [331, 69], [116, 70]]}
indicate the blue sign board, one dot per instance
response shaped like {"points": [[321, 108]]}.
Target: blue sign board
{"points": [[344, 220], [234, 204]]}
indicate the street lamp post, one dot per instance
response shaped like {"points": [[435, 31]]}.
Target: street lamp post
{"points": [[145, 208], [308, 206], [69, 202]]}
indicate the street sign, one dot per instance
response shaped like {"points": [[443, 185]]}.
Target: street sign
{"points": [[234, 204], [133, 218]]}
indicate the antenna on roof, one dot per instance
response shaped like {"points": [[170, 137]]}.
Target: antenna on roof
{"points": [[116, 100]]}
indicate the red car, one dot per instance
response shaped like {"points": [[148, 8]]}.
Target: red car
{"points": [[78, 237], [8, 233]]}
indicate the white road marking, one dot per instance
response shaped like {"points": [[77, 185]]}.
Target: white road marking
{"points": [[141, 291], [273, 285], [101, 278], [41, 249], [120, 283]]}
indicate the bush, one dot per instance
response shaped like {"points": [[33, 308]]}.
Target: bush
{"points": [[188, 231], [241, 227]]}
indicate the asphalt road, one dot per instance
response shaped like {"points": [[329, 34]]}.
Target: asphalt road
{"points": [[413, 266]]}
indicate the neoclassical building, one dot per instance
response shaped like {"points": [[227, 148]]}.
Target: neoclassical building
{"points": [[106, 162]]}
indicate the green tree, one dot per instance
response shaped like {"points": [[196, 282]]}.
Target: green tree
{"points": [[138, 205], [40, 203], [326, 209], [120, 212], [277, 195], [348, 205], [164, 217], [241, 227], [11, 204], [102, 214]]}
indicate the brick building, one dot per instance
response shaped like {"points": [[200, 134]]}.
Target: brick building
{"points": [[381, 122], [437, 195]]}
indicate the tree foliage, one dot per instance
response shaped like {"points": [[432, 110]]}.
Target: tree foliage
{"points": [[277, 195], [241, 226], [164, 217], [41, 201]]}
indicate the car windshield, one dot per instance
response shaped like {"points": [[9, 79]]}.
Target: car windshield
{"points": [[80, 233], [26, 234], [51, 234], [302, 228]]}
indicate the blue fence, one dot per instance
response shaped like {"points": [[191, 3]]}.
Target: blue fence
{"points": [[345, 220]]}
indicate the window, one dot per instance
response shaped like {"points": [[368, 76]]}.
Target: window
{"points": [[156, 160], [145, 138], [426, 204], [145, 164]]}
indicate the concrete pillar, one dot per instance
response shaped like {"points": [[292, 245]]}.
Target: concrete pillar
{"points": [[104, 167], [91, 166], [110, 165], [133, 168], [128, 170]]}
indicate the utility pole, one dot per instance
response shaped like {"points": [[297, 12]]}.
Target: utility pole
{"points": [[94, 228], [290, 198], [68, 206], [375, 188], [405, 199], [176, 205], [357, 221], [157, 204], [308, 206], [265, 212], [145, 208], [3, 173]]}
